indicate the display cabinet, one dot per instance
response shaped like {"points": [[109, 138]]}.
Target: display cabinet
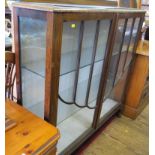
{"points": [[72, 62]]}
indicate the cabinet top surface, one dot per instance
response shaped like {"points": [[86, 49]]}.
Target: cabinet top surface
{"points": [[54, 7], [31, 133]]}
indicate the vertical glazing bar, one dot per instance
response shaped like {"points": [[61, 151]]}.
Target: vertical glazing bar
{"points": [[128, 44], [125, 25], [78, 60], [92, 62]]}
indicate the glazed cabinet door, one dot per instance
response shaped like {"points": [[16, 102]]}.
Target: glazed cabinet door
{"points": [[109, 104], [82, 56]]}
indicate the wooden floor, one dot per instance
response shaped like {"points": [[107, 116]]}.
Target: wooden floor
{"points": [[122, 136]]}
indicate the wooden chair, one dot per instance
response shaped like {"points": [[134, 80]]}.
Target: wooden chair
{"points": [[9, 74]]}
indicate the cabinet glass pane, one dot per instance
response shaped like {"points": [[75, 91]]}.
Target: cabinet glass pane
{"points": [[114, 98], [134, 34], [69, 49], [102, 39], [124, 51], [132, 42], [95, 82], [127, 35], [115, 56], [111, 74], [119, 35], [120, 66], [88, 42], [33, 50], [71, 117], [66, 87], [82, 85]]}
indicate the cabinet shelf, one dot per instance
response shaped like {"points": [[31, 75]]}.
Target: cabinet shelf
{"points": [[37, 67]]}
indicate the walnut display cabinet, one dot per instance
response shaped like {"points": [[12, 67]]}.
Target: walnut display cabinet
{"points": [[72, 64]]}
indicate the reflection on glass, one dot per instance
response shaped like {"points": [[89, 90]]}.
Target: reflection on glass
{"points": [[33, 49]]}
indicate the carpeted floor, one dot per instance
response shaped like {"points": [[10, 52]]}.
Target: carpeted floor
{"points": [[122, 136]]}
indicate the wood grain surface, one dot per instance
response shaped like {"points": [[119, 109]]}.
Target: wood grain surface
{"points": [[31, 135]]}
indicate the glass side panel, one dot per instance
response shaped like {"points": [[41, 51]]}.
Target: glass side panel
{"points": [[33, 50], [69, 47], [127, 35], [120, 66], [124, 51], [115, 56], [119, 35], [132, 42], [71, 117], [134, 34]]}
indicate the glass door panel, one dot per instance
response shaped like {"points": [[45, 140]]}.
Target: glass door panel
{"points": [[95, 83], [32, 51], [88, 42], [69, 48], [102, 40], [132, 42], [115, 56], [79, 83], [109, 103], [82, 85]]}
